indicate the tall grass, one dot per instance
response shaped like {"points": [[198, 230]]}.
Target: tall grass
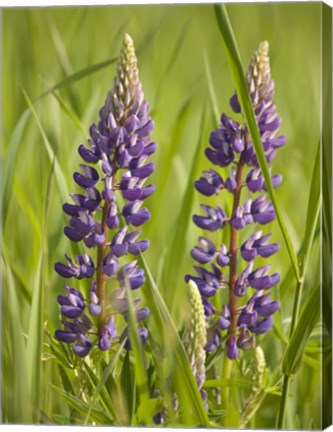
{"points": [[65, 61]]}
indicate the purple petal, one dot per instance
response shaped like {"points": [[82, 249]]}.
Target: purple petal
{"points": [[73, 234], [263, 326], [144, 171], [66, 271], [65, 336], [87, 155], [232, 350], [138, 247], [138, 218]]}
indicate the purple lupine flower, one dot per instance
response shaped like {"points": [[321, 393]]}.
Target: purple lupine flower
{"points": [[119, 148], [231, 146]]}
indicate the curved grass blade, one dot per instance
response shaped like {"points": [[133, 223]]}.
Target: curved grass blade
{"points": [[34, 344], [309, 318], [106, 373], [212, 93], [98, 414], [237, 74], [10, 161], [20, 407], [168, 333], [59, 175], [139, 363], [78, 75], [172, 264]]}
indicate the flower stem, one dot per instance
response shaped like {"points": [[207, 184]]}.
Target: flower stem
{"points": [[227, 363], [233, 250], [100, 279]]}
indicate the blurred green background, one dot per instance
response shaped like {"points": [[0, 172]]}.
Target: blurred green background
{"points": [[187, 83]]}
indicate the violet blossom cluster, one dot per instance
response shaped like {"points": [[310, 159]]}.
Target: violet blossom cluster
{"points": [[230, 146], [115, 164]]}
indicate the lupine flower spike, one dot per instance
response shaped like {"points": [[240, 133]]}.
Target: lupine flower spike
{"points": [[237, 323], [115, 163]]}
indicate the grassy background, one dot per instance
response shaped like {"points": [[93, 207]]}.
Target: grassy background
{"points": [[187, 82]]}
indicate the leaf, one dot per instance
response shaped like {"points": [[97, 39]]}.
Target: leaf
{"points": [[21, 407], [172, 264], [34, 345], [9, 163], [168, 333], [97, 413], [222, 382], [236, 70], [59, 175], [139, 362], [295, 348]]}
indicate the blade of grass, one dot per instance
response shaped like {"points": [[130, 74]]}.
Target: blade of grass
{"points": [[34, 344], [313, 213], [233, 57], [168, 332], [98, 414], [70, 114], [172, 264], [212, 93], [59, 175], [172, 62], [309, 317], [139, 360], [105, 375], [78, 76], [9, 163], [20, 407]]}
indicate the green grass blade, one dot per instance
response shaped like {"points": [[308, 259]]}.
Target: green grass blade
{"points": [[70, 114], [79, 75], [313, 212], [236, 70], [172, 265], [309, 318], [10, 161], [98, 414], [34, 344], [168, 333], [59, 175], [18, 393], [139, 361], [222, 382], [105, 375], [211, 90]]}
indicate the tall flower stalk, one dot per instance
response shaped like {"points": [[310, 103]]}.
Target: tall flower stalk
{"points": [[244, 316], [119, 148]]}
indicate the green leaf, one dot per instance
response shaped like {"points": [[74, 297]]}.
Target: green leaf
{"points": [[237, 74], [98, 414], [313, 212], [309, 317], [139, 363], [79, 75], [10, 161], [20, 401], [172, 264], [34, 345], [222, 382], [59, 175], [172, 344]]}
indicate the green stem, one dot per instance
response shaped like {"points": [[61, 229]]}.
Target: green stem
{"points": [[226, 374], [284, 397], [294, 319], [100, 279]]}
